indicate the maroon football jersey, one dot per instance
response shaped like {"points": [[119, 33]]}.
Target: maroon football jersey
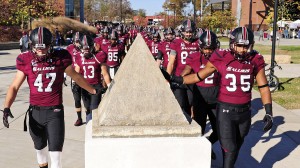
{"points": [[237, 77], [113, 53], [45, 77], [91, 68], [165, 49], [123, 39], [197, 61], [153, 47], [74, 51], [133, 33], [183, 50], [98, 40]]}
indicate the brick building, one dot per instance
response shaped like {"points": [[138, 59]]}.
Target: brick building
{"points": [[250, 12], [71, 8]]}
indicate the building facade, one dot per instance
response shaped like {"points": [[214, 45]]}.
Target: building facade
{"points": [[250, 13]]}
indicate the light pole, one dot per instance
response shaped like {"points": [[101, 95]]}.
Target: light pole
{"points": [[250, 16], [274, 36], [174, 14], [201, 13], [30, 25], [168, 16], [81, 11], [194, 2], [121, 6]]}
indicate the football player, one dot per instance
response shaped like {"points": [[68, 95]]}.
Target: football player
{"points": [[44, 69], [123, 37], [180, 50], [115, 53], [154, 43], [164, 49], [206, 91], [238, 67], [98, 41], [91, 67], [74, 50]]}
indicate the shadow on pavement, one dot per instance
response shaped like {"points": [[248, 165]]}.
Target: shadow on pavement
{"points": [[4, 53], [8, 68]]}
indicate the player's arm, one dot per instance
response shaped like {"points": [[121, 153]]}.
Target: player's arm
{"points": [[79, 79], [172, 59], [266, 99], [263, 87], [187, 70], [106, 76], [77, 68], [201, 75], [13, 89]]}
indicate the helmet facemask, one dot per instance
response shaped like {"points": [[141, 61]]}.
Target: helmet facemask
{"points": [[241, 51], [188, 36], [206, 51]]}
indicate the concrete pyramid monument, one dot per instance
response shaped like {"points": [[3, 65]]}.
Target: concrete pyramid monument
{"points": [[139, 102], [139, 122]]}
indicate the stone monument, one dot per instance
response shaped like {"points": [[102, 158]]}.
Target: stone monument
{"points": [[139, 123]]}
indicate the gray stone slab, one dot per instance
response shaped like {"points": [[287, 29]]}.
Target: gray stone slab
{"points": [[280, 59], [139, 101]]}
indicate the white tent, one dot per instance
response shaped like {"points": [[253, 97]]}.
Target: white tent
{"points": [[283, 23], [217, 1], [294, 24]]}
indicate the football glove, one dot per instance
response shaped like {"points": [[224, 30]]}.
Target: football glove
{"points": [[6, 113], [268, 120], [177, 79]]}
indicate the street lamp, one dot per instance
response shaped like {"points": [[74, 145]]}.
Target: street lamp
{"points": [[168, 16], [194, 2], [250, 16], [121, 6], [174, 14], [274, 36], [30, 25]]}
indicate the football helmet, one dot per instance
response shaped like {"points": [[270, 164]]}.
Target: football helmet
{"points": [[156, 36], [41, 38], [87, 46], [169, 34], [76, 39], [120, 29], [113, 36], [199, 32], [105, 32], [241, 37], [208, 40], [188, 29]]}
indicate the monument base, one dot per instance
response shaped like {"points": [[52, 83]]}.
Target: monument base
{"points": [[158, 152]]}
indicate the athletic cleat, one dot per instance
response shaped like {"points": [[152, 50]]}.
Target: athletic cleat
{"points": [[78, 122]]}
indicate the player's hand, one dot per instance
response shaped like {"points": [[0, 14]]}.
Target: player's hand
{"points": [[268, 120], [6, 113], [97, 91]]}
